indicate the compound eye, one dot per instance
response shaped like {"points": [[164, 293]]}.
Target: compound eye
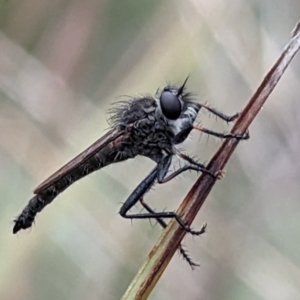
{"points": [[170, 105]]}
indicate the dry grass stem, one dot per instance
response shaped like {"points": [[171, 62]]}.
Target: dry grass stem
{"points": [[171, 237]]}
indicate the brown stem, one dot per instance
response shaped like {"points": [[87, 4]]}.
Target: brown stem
{"points": [[162, 252]]}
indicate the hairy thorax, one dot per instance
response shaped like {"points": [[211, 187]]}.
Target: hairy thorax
{"points": [[151, 134]]}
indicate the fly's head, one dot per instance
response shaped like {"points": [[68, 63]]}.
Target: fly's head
{"points": [[178, 111]]}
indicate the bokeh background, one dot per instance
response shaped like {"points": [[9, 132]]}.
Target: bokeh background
{"points": [[63, 63]]}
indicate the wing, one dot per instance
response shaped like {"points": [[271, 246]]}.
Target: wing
{"points": [[107, 138]]}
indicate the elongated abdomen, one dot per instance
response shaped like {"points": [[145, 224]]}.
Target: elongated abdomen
{"points": [[111, 153]]}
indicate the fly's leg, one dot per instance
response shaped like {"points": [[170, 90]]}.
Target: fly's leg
{"points": [[163, 224], [194, 162], [220, 114], [158, 173], [244, 136], [137, 194], [194, 165]]}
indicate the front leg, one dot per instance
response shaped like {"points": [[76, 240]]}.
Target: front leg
{"points": [[220, 114]]}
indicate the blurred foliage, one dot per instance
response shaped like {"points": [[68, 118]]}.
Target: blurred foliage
{"points": [[63, 63]]}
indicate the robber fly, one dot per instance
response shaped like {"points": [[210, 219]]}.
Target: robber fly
{"points": [[147, 126]]}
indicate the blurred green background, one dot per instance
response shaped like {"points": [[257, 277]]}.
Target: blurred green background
{"points": [[62, 64]]}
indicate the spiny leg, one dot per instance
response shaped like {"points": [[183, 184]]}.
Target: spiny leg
{"points": [[220, 114], [163, 224], [165, 164], [244, 136], [186, 168], [159, 173], [191, 160], [166, 215]]}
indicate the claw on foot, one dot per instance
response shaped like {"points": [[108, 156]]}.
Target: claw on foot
{"points": [[203, 228], [247, 135], [243, 136], [234, 117], [220, 174]]}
